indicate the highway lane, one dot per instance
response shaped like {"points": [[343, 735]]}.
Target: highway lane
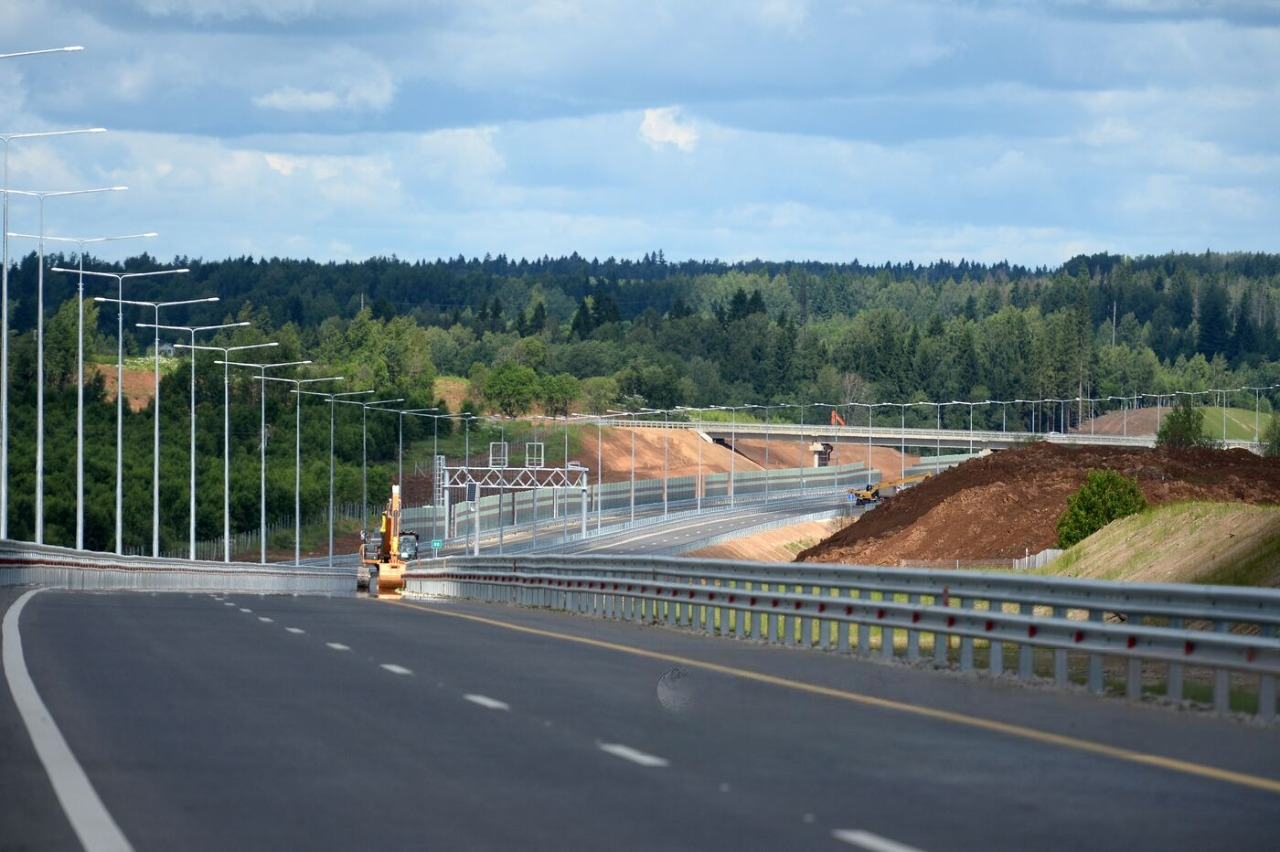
{"points": [[688, 532], [257, 722]]}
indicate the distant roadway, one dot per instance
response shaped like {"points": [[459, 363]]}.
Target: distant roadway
{"points": [[247, 722]]}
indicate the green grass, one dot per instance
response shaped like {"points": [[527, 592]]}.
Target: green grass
{"points": [[1256, 569], [1239, 423]]}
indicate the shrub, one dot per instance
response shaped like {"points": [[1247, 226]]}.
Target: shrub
{"points": [[1106, 496], [1271, 439], [1183, 427]]}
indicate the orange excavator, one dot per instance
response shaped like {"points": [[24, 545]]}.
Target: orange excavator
{"points": [[392, 549]]}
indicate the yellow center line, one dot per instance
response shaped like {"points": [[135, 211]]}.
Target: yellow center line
{"points": [[1186, 767]]}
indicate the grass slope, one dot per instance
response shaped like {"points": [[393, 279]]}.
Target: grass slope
{"points": [[1219, 543]]}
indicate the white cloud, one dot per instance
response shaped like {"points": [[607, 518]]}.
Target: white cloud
{"points": [[231, 10], [372, 92], [786, 16], [289, 99], [661, 127]]}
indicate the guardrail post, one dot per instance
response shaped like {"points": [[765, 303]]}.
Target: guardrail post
{"points": [[845, 637], [1026, 651], [1221, 677], [739, 618], [966, 642], [1133, 679], [886, 635], [1173, 689], [941, 641], [825, 627], [1267, 684], [913, 636], [1060, 655], [995, 649], [1095, 660]]}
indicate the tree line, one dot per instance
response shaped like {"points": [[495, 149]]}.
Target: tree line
{"points": [[562, 335]]}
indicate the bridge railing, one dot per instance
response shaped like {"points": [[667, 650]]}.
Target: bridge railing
{"points": [[1051, 627], [23, 563]]}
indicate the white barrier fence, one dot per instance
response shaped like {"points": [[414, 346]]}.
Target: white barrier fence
{"points": [[23, 563], [1034, 624]]}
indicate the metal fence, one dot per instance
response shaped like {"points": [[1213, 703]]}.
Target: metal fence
{"points": [[23, 563], [1038, 626]]}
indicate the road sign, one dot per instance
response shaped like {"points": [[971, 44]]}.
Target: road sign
{"points": [[436, 544]]}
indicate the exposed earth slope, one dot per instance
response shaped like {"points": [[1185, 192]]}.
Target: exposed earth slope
{"points": [[1007, 504]]}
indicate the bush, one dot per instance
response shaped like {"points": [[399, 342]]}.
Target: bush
{"points": [[1183, 427], [1271, 438], [1105, 497]]}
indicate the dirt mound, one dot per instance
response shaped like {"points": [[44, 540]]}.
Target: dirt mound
{"points": [[1006, 505]]}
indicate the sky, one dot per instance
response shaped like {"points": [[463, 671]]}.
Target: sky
{"points": [[1026, 131]]}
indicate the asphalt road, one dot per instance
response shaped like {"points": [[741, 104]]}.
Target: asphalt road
{"points": [[251, 722], [689, 531]]}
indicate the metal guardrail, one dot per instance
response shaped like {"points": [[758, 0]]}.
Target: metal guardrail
{"points": [[23, 563], [866, 609]]}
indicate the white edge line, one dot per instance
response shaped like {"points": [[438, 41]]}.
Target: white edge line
{"points": [[870, 842], [633, 755], [487, 702], [92, 823]]}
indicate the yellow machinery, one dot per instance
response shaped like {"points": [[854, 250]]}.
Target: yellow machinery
{"points": [[369, 544], [863, 496], [392, 550]]}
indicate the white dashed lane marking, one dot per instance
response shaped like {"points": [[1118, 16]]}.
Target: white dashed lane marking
{"points": [[487, 702], [295, 630], [337, 646], [634, 755], [265, 620], [871, 842], [242, 609], [394, 669]]}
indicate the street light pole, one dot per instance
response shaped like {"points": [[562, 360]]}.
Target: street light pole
{"points": [[120, 303], [262, 444], [41, 196], [332, 398], [192, 487], [70, 49], [364, 452], [226, 432], [297, 455], [400, 443], [4, 302], [80, 362], [155, 465]]}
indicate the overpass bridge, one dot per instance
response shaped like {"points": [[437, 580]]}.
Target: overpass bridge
{"points": [[964, 440]]}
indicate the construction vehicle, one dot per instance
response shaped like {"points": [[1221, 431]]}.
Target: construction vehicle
{"points": [[369, 544], [393, 550], [873, 493]]}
